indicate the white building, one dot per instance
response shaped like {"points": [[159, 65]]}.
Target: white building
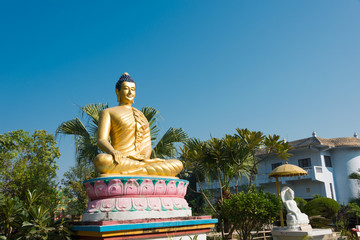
{"points": [[328, 162]]}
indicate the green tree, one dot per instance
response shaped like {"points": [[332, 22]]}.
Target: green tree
{"points": [[300, 203], [28, 162], [231, 157], [74, 192], [85, 135], [321, 211], [249, 211], [26, 219]]}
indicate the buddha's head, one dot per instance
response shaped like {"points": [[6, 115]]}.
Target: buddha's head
{"points": [[287, 194], [125, 89]]}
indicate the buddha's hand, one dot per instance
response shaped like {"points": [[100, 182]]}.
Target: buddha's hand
{"points": [[154, 160], [117, 156], [138, 157]]}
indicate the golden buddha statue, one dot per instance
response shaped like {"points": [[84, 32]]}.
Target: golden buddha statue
{"points": [[129, 149]]}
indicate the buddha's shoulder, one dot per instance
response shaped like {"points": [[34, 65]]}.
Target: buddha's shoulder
{"points": [[115, 110], [140, 117], [138, 111]]}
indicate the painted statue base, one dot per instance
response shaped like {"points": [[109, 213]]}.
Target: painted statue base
{"points": [[185, 228], [140, 207], [129, 198], [279, 233]]}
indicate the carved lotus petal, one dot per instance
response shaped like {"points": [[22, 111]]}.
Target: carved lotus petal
{"points": [[167, 203], [171, 188], [178, 203], [107, 205], [160, 187], [94, 206], [180, 189], [154, 204], [123, 204], [147, 187], [100, 189], [90, 190], [139, 204], [132, 187], [115, 187]]}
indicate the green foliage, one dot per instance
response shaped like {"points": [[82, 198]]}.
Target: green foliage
{"points": [[10, 212], [28, 162], [355, 175], [323, 206], [300, 203], [74, 193], [152, 115], [317, 196], [343, 219], [163, 147], [249, 211], [231, 157], [321, 211], [28, 220], [85, 134]]}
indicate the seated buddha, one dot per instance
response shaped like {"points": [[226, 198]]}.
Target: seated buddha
{"points": [[129, 149], [294, 216]]}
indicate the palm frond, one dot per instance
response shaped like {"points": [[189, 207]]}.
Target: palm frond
{"points": [[166, 147], [86, 150], [151, 115], [73, 127], [93, 111]]}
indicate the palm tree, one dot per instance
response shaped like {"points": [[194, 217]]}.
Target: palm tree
{"points": [[86, 134]]}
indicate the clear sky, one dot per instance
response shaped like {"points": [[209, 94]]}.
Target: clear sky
{"points": [[279, 66]]}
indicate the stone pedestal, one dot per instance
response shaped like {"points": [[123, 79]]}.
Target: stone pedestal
{"points": [[279, 233], [134, 207]]}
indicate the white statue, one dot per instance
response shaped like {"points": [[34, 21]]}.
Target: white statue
{"points": [[295, 217]]}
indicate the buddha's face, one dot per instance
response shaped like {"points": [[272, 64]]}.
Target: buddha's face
{"points": [[126, 94], [289, 194]]}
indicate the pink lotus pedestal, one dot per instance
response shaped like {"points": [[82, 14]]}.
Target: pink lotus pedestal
{"points": [[157, 202]]}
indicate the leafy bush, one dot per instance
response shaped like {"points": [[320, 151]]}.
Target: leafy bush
{"points": [[249, 211], [300, 203], [28, 220], [325, 207], [321, 211]]}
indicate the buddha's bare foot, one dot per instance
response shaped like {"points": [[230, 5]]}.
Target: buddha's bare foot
{"points": [[136, 157], [154, 160], [169, 168], [139, 171]]}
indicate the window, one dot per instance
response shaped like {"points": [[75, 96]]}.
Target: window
{"points": [[275, 165], [328, 161], [306, 162], [332, 191]]}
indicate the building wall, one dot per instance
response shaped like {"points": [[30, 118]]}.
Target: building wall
{"points": [[345, 162], [320, 179]]}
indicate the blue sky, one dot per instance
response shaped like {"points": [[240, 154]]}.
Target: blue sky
{"points": [[279, 66]]}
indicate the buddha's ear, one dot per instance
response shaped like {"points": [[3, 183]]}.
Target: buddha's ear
{"points": [[117, 95]]}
